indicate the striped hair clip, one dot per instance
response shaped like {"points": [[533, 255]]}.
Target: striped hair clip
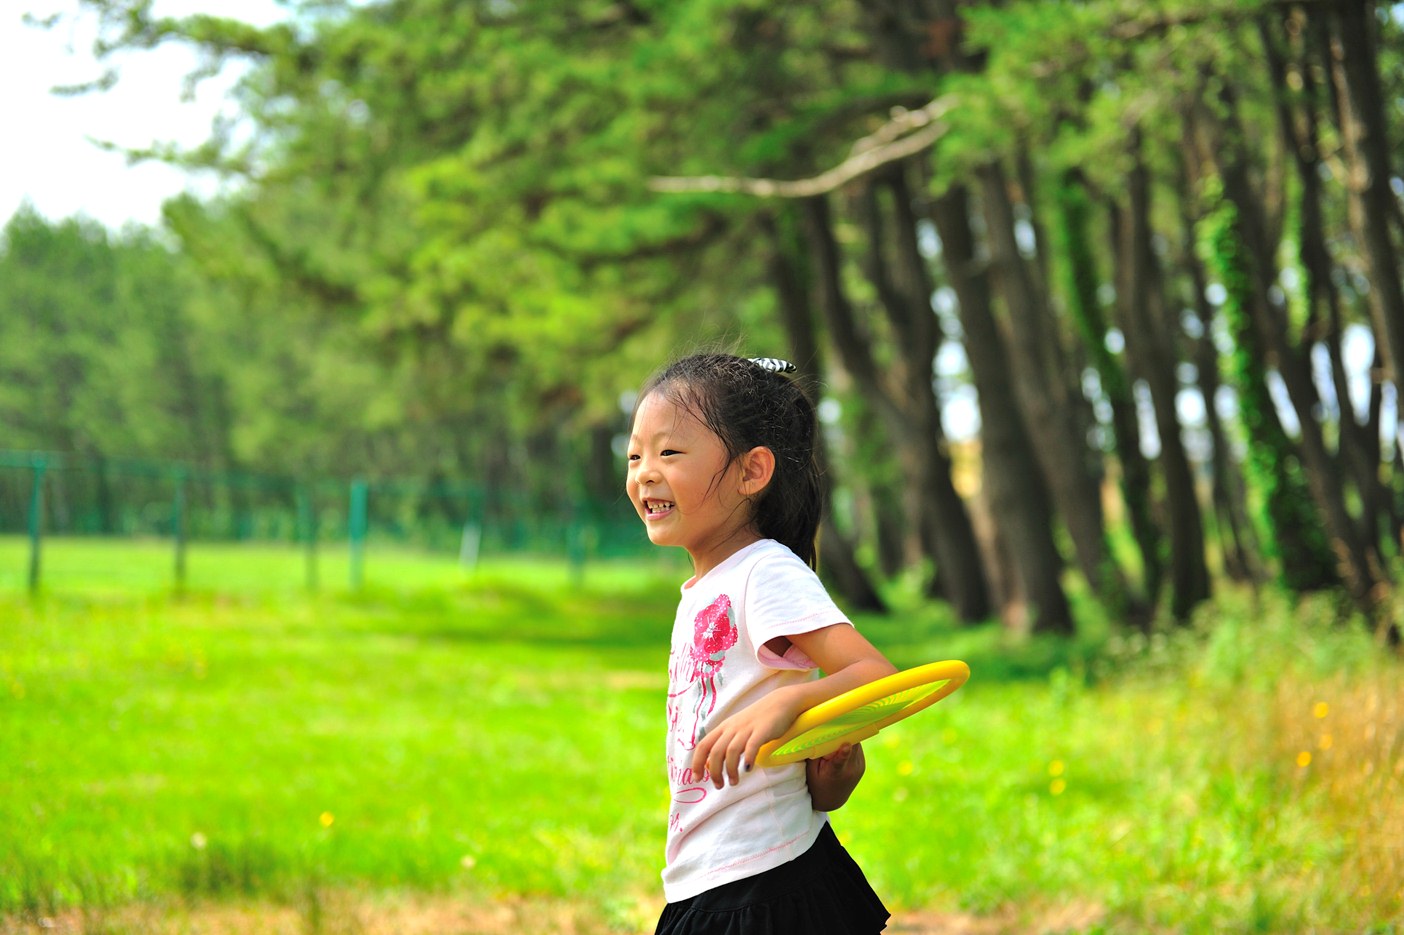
{"points": [[773, 364]]}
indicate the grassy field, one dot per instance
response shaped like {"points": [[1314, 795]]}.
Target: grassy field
{"points": [[244, 756]]}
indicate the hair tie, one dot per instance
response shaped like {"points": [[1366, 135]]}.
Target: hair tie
{"points": [[773, 364]]}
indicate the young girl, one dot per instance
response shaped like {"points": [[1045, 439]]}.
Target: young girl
{"points": [[722, 464]]}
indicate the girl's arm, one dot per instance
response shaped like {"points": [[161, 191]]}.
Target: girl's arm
{"points": [[839, 650]]}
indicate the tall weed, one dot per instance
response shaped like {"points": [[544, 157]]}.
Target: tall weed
{"points": [[1308, 700]]}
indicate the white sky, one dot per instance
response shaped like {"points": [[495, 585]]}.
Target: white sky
{"points": [[47, 155]]}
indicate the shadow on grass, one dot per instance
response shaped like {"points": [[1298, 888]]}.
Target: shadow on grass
{"points": [[636, 616], [517, 613], [921, 633]]}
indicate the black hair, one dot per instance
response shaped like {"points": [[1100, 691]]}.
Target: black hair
{"points": [[748, 405]]}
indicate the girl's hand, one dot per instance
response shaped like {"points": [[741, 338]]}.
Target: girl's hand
{"points": [[732, 745], [833, 778]]}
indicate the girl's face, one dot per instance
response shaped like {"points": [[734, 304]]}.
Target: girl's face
{"points": [[683, 485]]}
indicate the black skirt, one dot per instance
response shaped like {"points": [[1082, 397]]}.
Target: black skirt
{"points": [[821, 892]]}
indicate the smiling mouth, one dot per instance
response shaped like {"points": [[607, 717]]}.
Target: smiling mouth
{"points": [[657, 507]]}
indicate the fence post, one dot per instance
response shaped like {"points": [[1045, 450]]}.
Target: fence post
{"points": [[582, 541], [178, 527], [36, 520], [575, 553], [470, 545], [356, 526], [307, 519]]}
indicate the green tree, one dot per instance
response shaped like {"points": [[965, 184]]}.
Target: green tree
{"points": [[96, 344], [492, 220]]}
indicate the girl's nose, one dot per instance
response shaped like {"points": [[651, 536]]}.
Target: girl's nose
{"points": [[645, 473]]}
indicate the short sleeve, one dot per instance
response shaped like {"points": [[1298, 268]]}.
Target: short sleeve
{"points": [[784, 597]]}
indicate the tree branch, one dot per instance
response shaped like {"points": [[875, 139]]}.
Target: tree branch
{"points": [[905, 135], [913, 131], [1141, 28]]}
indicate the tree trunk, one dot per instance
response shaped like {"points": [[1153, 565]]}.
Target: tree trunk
{"points": [[1150, 345], [896, 269], [836, 551], [1043, 395], [913, 419], [1353, 562], [1358, 566], [1239, 545], [880, 512], [1360, 100], [1358, 447], [1076, 241], [1013, 484]]}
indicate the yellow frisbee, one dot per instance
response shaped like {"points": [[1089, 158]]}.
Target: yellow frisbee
{"points": [[861, 712]]}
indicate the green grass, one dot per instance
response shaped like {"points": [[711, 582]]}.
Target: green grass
{"points": [[498, 735], [128, 567]]}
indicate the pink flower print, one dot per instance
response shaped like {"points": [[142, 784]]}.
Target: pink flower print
{"points": [[713, 633], [698, 669]]}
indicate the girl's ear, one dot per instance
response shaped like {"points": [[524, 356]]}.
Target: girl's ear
{"points": [[757, 468]]}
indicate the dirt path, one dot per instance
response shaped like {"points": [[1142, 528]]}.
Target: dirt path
{"points": [[345, 915]]}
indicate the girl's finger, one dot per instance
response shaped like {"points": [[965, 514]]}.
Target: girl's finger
{"points": [[716, 760], [734, 752], [700, 755], [748, 757]]}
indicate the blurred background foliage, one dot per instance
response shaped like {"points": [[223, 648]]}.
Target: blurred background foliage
{"points": [[1097, 294]]}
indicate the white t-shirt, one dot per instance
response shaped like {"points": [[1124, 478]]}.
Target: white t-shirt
{"points": [[717, 665]]}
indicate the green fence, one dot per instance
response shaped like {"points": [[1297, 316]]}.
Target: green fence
{"points": [[45, 494]]}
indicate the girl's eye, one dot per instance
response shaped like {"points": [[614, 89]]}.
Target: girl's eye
{"points": [[634, 457], [669, 451]]}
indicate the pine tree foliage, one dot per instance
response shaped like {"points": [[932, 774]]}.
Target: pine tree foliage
{"points": [[464, 231]]}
